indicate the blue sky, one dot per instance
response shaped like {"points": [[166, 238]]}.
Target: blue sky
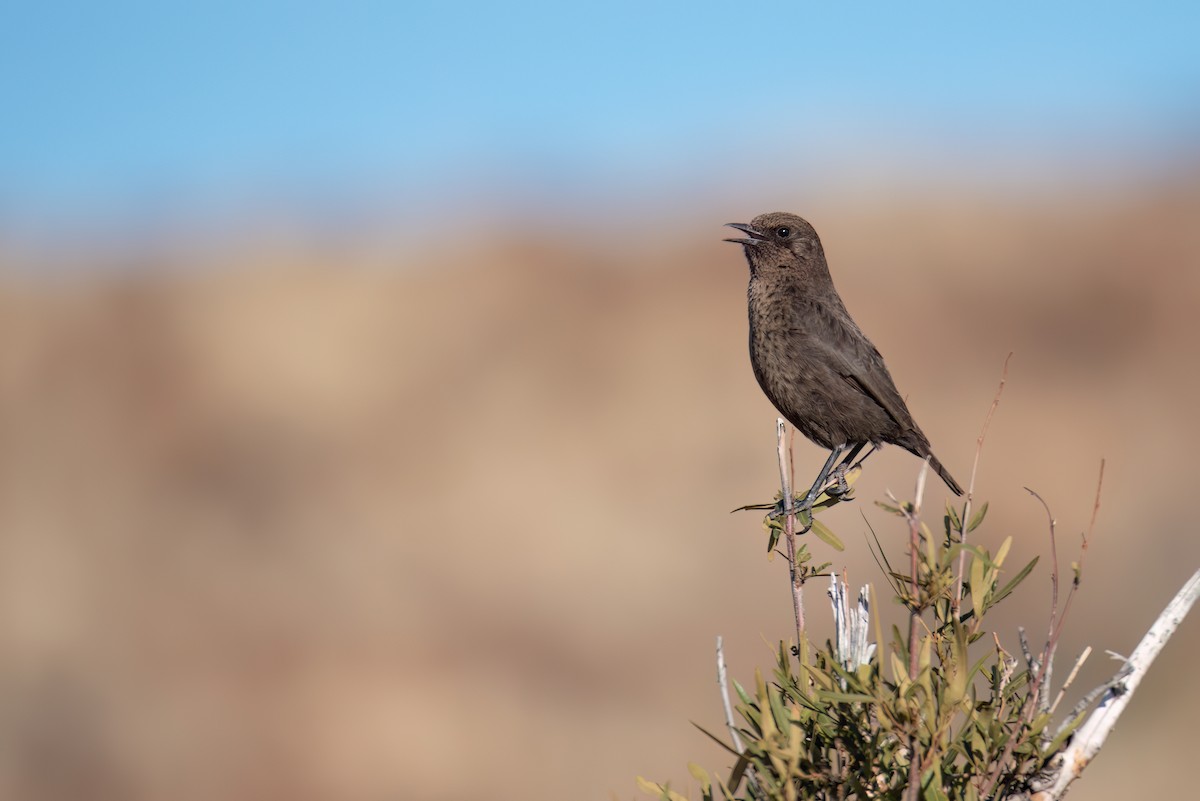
{"points": [[114, 109]]}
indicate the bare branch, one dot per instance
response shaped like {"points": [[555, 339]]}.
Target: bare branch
{"points": [[1030, 662], [1041, 681], [914, 523], [913, 791], [966, 515], [789, 527], [723, 681], [1070, 678], [1090, 737], [1083, 546]]}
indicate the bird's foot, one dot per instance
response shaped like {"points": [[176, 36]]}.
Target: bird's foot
{"points": [[840, 487], [803, 514], [780, 510]]}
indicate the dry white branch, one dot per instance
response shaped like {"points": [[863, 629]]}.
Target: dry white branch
{"points": [[852, 627], [1090, 737], [723, 681]]}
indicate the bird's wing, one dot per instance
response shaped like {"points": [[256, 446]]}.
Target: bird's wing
{"points": [[858, 361]]}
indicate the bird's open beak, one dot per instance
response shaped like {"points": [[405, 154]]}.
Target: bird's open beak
{"points": [[755, 236]]}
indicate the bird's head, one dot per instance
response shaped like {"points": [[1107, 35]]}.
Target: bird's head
{"points": [[778, 239]]}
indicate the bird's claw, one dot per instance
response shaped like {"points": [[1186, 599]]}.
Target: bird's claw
{"points": [[840, 488]]}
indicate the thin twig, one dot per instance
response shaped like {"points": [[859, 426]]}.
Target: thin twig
{"points": [[1030, 662], [789, 528], [1041, 682], [914, 522], [1029, 702], [912, 792], [1040, 674], [1083, 546], [1096, 505], [1070, 678], [1085, 702], [966, 515], [723, 681]]}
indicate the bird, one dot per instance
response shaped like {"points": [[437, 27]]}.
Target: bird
{"points": [[812, 360]]}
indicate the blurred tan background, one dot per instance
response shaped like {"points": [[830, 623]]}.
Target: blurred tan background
{"points": [[374, 390], [455, 524]]}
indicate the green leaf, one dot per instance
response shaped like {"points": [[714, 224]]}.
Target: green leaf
{"points": [[978, 591], [899, 669], [750, 506], [656, 789], [827, 536], [978, 666], [933, 788], [783, 721], [700, 775], [847, 698], [978, 518], [1002, 554], [952, 513], [735, 777], [715, 738], [1067, 731], [955, 669], [893, 509], [1007, 589]]}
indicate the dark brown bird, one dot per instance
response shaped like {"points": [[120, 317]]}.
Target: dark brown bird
{"points": [[810, 358]]}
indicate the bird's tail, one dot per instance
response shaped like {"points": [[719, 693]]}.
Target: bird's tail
{"points": [[945, 474]]}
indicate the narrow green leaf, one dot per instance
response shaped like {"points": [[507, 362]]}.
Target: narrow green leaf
{"points": [[652, 788], [783, 720], [737, 688], [952, 513], [1067, 731], [956, 672], [804, 519], [978, 666], [931, 545], [978, 590], [714, 738], [978, 518], [735, 778], [750, 506], [847, 698], [1012, 585], [1002, 554], [932, 786], [827, 536]]}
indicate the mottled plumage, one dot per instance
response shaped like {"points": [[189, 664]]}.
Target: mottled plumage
{"points": [[810, 358]]}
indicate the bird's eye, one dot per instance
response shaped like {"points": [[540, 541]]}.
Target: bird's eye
{"points": [[783, 232]]}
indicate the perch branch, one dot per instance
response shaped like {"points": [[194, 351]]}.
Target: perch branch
{"points": [[789, 528]]}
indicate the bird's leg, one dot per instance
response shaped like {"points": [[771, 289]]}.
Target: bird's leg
{"points": [[860, 461], [839, 473], [819, 484]]}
